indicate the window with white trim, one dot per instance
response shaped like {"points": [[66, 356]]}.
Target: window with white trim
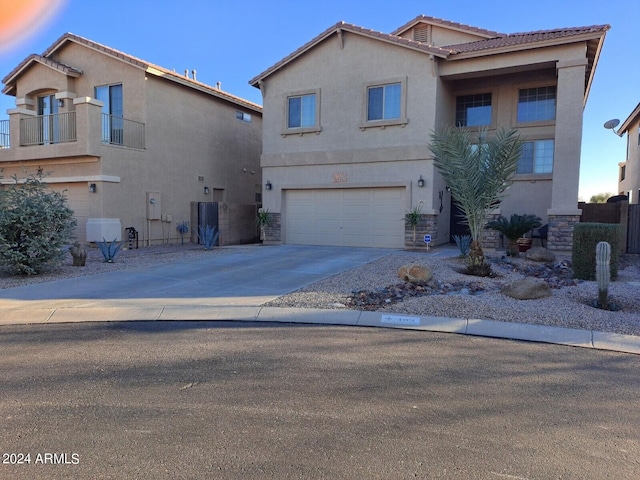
{"points": [[384, 102], [536, 157], [537, 104], [302, 111]]}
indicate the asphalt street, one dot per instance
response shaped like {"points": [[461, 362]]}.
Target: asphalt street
{"points": [[222, 400]]}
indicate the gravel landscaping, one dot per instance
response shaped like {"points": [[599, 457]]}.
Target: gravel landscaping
{"points": [[376, 286]]}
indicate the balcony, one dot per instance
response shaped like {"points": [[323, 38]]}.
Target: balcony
{"points": [[4, 134], [121, 131], [80, 133], [48, 129]]}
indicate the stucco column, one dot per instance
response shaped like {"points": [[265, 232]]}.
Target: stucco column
{"points": [[564, 212], [568, 140], [89, 124]]}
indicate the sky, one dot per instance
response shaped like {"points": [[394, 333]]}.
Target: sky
{"points": [[231, 42]]}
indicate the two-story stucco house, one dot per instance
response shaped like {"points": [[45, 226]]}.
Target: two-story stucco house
{"points": [[629, 174], [347, 120], [133, 144]]}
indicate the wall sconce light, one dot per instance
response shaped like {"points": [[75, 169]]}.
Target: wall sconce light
{"points": [[448, 189], [61, 102], [206, 190], [93, 188], [268, 185], [421, 182]]}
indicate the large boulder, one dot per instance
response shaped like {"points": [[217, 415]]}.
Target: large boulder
{"points": [[415, 273], [540, 254], [527, 289]]}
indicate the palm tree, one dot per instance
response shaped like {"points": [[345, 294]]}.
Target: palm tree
{"points": [[478, 171]]}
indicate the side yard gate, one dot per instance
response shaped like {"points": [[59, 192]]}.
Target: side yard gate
{"points": [[633, 229]]}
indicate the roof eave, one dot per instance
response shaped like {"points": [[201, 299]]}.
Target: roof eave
{"points": [[337, 29], [592, 73], [630, 119]]}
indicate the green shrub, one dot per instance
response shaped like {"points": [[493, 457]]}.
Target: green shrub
{"points": [[35, 223], [585, 238]]}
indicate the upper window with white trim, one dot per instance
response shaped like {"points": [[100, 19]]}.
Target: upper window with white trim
{"points": [[537, 104], [301, 111], [385, 103]]}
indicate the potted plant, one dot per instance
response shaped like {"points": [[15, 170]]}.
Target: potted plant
{"points": [[514, 229]]}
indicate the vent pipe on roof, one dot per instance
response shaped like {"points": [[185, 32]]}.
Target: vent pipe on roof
{"points": [[193, 74], [186, 73], [218, 85]]}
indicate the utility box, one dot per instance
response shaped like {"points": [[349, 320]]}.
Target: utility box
{"points": [[154, 206]]}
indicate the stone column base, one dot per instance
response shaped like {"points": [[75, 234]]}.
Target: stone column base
{"points": [[273, 233], [560, 236], [427, 225]]}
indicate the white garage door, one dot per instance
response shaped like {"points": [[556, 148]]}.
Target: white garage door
{"points": [[363, 217], [77, 200]]}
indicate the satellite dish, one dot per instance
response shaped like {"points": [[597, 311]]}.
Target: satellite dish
{"points": [[611, 124]]}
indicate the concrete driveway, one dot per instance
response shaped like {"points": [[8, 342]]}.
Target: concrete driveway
{"points": [[246, 277]]}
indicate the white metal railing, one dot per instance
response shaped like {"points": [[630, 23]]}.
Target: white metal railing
{"points": [[48, 129], [122, 131], [4, 134]]}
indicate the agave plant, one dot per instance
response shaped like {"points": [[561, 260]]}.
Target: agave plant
{"points": [[514, 228], [109, 250], [208, 236]]}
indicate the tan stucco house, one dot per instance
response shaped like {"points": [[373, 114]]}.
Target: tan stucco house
{"points": [[629, 170], [133, 144], [347, 119]]}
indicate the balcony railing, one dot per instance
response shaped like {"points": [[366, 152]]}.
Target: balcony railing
{"points": [[121, 131], [4, 134], [48, 129]]}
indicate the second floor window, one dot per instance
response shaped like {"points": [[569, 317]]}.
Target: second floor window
{"points": [[301, 111], [384, 102], [536, 157], [537, 104], [473, 110]]}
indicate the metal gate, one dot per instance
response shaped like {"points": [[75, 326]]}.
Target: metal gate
{"points": [[633, 229], [203, 214]]}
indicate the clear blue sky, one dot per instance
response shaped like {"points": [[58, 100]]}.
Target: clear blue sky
{"points": [[231, 42]]}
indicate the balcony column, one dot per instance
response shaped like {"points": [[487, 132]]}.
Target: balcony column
{"points": [[89, 124], [15, 114]]}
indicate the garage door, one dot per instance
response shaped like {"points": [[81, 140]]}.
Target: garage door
{"points": [[78, 201], [363, 217]]}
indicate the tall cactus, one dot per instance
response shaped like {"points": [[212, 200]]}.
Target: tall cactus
{"points": [[603, 273]]}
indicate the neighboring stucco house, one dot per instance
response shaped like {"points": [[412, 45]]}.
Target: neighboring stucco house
{"points": [[347, 119], [629, 173], [133, 144]]}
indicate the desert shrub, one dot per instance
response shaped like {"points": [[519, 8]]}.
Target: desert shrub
{"points": [[585, 238], [35, 223]]}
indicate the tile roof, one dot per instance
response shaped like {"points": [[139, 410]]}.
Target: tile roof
{"points": [[493, 41], [137, 62], [61, 67], [446, 23], [517, 39], [348, 27]]}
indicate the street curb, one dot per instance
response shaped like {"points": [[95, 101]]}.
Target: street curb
{"points": [[476, 327]]}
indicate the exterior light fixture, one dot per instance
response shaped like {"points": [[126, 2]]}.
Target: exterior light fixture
{"points": [[421, 182], [268, 185], [206, 190], [61, 102], [93, 188]]}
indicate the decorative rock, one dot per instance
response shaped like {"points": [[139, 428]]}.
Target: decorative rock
{"points": [[527, 289], [415, 273], [540, 254]]}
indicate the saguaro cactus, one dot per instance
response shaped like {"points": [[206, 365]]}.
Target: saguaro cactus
{"points": [[603, 273]]}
